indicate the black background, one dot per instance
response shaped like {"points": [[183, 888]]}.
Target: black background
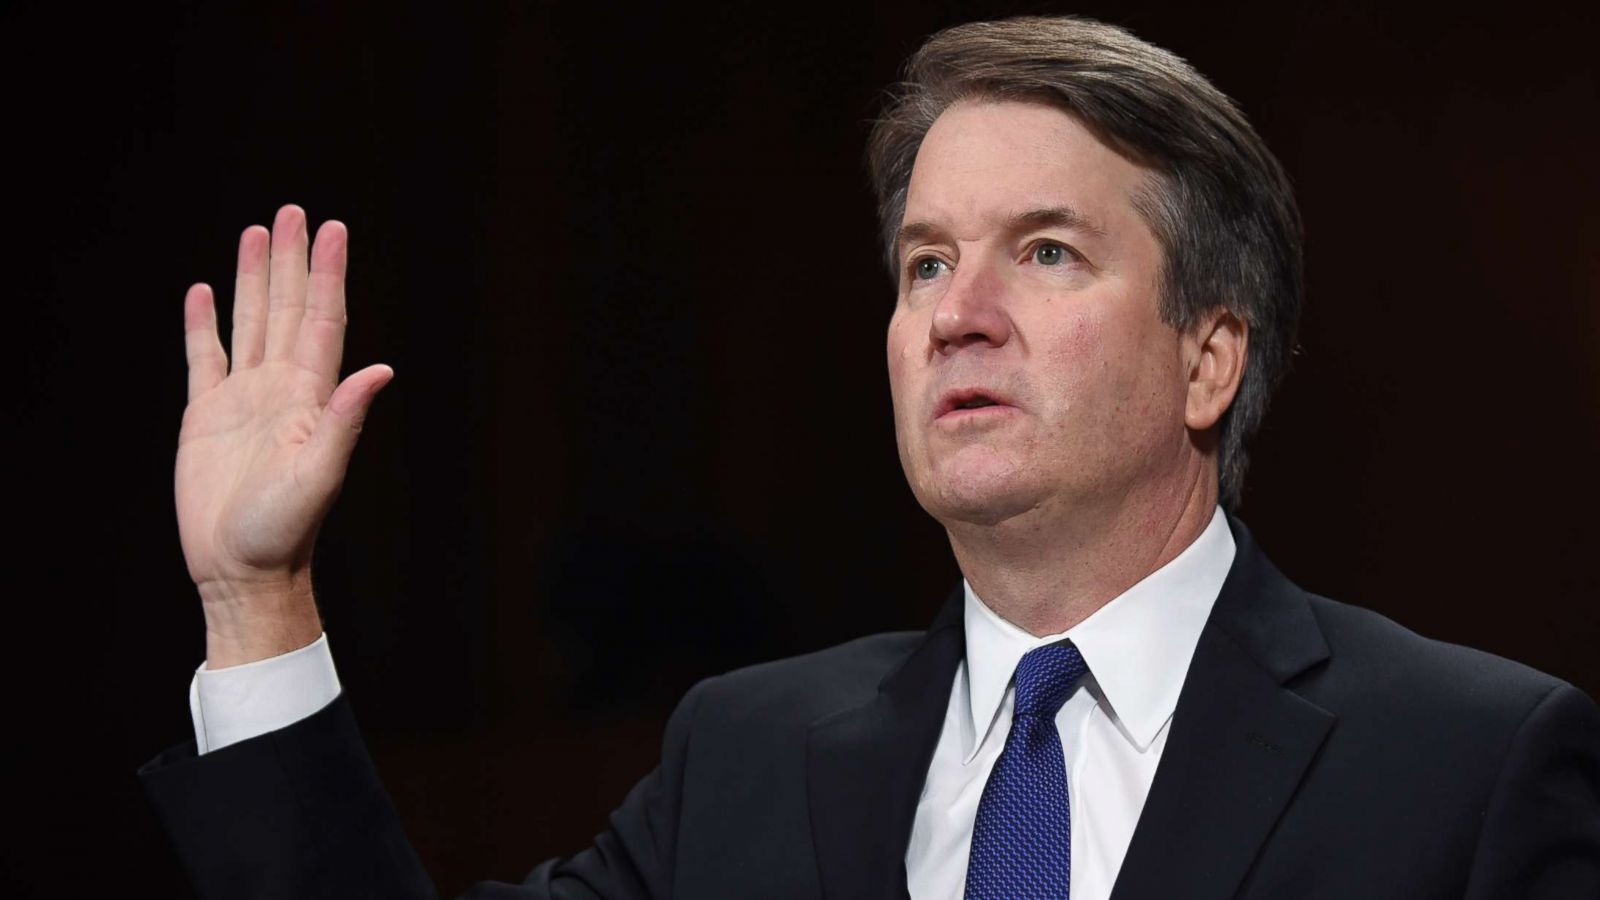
{"points": [[623, 263]]}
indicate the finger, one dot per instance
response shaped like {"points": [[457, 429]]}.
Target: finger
{"points": [[208, 365], [250, 299], [286, 284], [321, 340], [327, 451]]}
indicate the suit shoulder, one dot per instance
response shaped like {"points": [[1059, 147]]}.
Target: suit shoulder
{"points": [[812, 684], [1380, 661]]}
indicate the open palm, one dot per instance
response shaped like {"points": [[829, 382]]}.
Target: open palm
{"points": [[264, 447]]}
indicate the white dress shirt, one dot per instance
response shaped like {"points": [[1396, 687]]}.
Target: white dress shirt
{"points": [[241, 702], [1113, 727]]}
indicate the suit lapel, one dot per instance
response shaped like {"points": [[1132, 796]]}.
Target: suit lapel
{"points": [[1240, 741], [865, 768]]}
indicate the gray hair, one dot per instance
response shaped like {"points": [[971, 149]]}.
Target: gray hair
{"points": [[1221, 206]]}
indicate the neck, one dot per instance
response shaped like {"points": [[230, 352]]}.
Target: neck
{"points": [[1048, 569]]}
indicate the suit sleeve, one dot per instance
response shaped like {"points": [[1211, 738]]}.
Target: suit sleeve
{"points": [[301, 813], [1541, 831]]}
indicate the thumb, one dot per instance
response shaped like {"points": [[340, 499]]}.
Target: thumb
{"points": [[334, 439]]}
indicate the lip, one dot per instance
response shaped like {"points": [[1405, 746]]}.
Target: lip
{"points": [[950, 402]]}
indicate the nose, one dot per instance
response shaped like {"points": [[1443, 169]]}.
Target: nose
{"points": [[972, 311]]}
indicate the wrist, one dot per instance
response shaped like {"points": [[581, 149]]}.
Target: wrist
{"points": [[251, 621]]}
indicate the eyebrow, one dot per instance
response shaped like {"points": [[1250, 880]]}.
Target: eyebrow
{"points": [[1044, 217], [1055, 217]]}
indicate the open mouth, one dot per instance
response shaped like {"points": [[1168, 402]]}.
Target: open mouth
{"points": [[968, 399]]}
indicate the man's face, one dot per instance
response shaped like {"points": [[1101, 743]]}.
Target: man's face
{"points": [[1028, 363]]}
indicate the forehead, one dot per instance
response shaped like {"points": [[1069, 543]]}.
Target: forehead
{"points": [[983, 162]]}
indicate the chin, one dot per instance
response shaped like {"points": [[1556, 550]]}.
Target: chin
{"points": [[977, 489]]}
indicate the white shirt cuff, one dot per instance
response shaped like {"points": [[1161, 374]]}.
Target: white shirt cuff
{"points": [[241, 702]]}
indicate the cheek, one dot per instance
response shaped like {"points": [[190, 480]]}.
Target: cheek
{"points": [[1112, 373], [900, 352], [1079, 361], [903, 355], [1080, 336]]}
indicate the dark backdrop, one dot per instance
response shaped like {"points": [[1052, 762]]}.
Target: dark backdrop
{"points": [[623, 262]]}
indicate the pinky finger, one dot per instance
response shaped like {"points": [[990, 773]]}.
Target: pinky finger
{"points": [[208, 364]]}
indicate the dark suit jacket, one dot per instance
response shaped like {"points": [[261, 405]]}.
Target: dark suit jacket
{"points": [[1318, 750]]}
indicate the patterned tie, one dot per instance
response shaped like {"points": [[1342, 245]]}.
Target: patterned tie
{"points": [[1022, 840]]}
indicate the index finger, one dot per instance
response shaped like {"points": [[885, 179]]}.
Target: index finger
{"points": [[319, 346]]}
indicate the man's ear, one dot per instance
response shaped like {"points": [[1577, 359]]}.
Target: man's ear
{"points": [[1216, 346]]}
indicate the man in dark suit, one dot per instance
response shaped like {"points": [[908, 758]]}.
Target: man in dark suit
{"points": [[1098, 267]]}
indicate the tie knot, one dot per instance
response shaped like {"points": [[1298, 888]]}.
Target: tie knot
{"points": [[1046, 676]]}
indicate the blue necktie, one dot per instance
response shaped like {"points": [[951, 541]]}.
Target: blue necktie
{"points": [[1022, 839]]}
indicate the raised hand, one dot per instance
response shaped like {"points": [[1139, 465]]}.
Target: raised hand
{"points": [[264, 447]]}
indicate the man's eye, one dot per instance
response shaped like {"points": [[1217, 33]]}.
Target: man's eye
{"points": [[1050, 255], [927, 268]]}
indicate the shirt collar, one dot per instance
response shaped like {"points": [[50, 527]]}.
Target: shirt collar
{"points": [[1137, 646]]}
